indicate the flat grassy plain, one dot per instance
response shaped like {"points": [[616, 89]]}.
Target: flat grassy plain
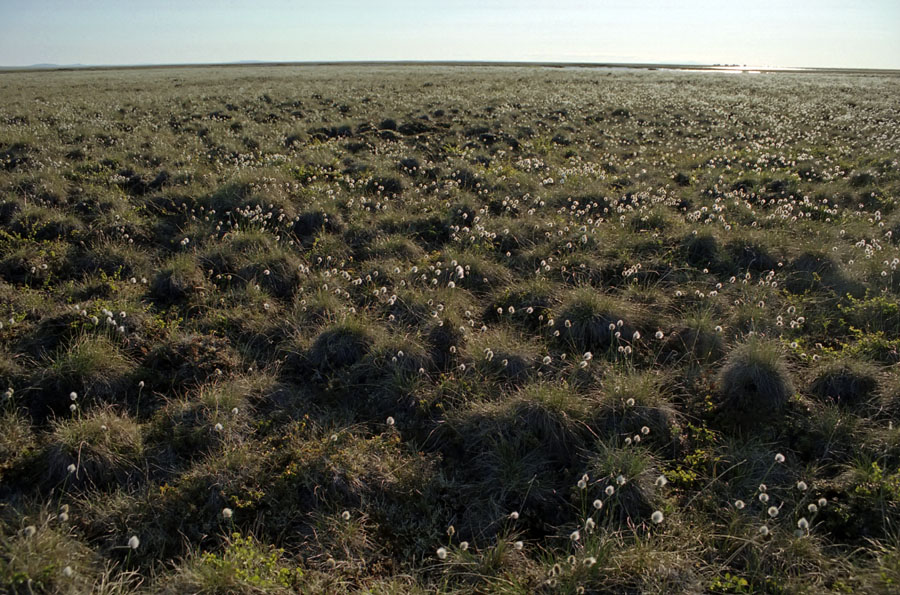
{"points": [[438, 328]]}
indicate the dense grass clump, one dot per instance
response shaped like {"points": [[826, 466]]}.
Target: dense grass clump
{"points": [[92, 366], [340, 345], [105, 448], [178, 278], [847, 382], [439, 329], [589, 320], [754, 382]]}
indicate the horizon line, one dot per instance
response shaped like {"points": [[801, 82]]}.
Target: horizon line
{"points": [[727, 68]]}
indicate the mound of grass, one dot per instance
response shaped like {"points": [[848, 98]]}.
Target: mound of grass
{"points": [[516, 451], [816, 271], [93, 366], [633, 473], [341, 345], [750, 255], [699, 335], [310, 223], [10, 370], [46, 224], [754, 383], [889, 397], [178, 279], [502, 355], [528, 303], [702, 250], [632, 401], [189, 360], [113, 260], [590, 320], [105, 449], [845, 381], [445, 338], [190, 426], [42, 554], [17, 439]]}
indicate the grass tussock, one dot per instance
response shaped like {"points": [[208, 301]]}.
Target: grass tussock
{"points": [[754, 382]]}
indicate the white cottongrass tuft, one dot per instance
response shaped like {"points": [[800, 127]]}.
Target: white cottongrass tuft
{"points": [[803, 524], [575, 535], [773, 511], [764, 531], [514, 515], [661, 481], [779, 458], [598, 504], [345, 515], [30, 530], [519, 545], [610, 490], [133, 542], [657, 517], [442, 553], [739, 504], [226, 513], [801, 485], [68, 572]]}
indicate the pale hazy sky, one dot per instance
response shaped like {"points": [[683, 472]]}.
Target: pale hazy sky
{"points": [[819, 33]]}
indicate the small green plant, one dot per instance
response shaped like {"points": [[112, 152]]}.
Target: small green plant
{"points": [[730, 583], [244, 566]]}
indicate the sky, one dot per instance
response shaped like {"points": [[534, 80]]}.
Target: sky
{"points": [[782, 33]]}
